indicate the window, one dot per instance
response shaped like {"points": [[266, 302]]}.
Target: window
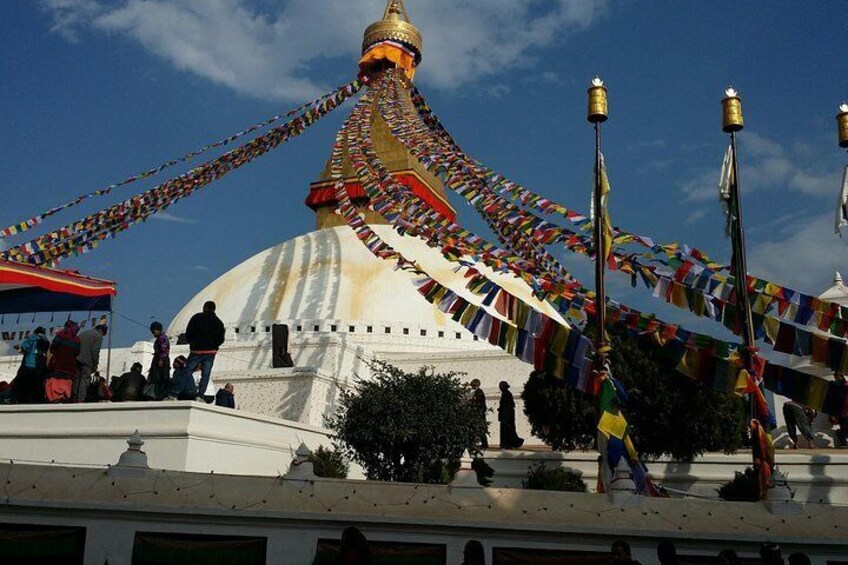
{"points": [[253, 329], [369, 329], [476, 338], [388, 330], [458, 335], [423, 332], [267, 329], [327, 552], [300, 328], [441, 334], [333, 328], [405, 331], [314, 328], [155, 547], [26, 543], [351, 329], [237, 330]]}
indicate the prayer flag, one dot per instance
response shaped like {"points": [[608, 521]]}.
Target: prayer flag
{"points": [[842, 205], [724, 184], [605, 190]]}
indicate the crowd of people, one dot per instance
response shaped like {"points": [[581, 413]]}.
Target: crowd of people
{"points": [[67, 369]]}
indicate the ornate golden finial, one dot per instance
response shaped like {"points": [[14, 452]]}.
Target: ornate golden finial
{"points": [[842, 121], [731, 111], [395, 26], [598, 111]]}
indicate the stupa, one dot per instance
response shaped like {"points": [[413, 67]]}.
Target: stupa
{"points": [[343, 306]]}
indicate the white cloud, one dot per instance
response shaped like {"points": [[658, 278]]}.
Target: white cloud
{"points": [[167, 217], [765, 164], [271, 51], [695, 216], [803, 256]]}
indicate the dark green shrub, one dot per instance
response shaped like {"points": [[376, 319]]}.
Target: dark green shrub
{"points": [[542, 477], [328, 463], [408, 427], [742, 488]]}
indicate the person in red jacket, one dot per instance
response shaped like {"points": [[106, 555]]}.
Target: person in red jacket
{"points": [[62, 367]]}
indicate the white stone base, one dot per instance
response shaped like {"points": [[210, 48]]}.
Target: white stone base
{"points": [[182, 436]]}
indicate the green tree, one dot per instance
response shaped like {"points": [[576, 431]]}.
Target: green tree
{"points": [[408, 427], [669, 414], [328, 463]]}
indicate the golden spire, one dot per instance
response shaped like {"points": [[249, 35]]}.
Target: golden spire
{"points": [[395, 26]]}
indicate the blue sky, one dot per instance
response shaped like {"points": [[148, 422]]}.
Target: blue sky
{"points": [[93, 91]]}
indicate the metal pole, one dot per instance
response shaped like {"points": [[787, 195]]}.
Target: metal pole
{"points": [[600, 260], [743, 304], [109, 343], [598, 112]]}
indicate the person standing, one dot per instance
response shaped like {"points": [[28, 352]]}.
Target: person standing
{"points": [[205, 334], [160, 367], [506, 417], [62, 368], [478, 402], [91, 342], [842, 418], [28, 386], [799, 417]]}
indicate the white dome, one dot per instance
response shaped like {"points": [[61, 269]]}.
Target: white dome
{"points": [[330, 275]]}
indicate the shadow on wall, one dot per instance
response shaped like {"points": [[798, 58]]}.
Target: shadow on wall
{"points": [[312, 290]]}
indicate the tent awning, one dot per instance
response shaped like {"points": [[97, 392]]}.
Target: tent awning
{"points": [[27, 288]]}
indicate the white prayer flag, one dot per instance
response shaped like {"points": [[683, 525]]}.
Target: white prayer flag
{"points": [[842, 205], [724, 185]]}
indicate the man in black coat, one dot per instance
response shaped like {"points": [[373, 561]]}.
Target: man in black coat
{"points": [[506, 417], [129, 387], [225, 397], [205, 334]]}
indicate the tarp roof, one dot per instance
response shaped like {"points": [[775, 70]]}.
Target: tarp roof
{"points": [[27, 288]]}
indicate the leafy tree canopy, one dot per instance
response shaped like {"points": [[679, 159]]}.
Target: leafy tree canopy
{"points": [[408, 427], [669, 414]]}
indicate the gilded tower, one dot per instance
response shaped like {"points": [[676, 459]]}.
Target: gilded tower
{"points": [[393, 41]]}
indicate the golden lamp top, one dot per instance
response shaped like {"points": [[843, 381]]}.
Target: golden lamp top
{"points": [[394, 26]]}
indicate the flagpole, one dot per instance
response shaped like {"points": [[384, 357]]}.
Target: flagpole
{"points": [[597, 114], [763, 458], [842, 203]]}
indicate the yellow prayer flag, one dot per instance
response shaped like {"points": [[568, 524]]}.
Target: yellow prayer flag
{"points": [[613, 425]]}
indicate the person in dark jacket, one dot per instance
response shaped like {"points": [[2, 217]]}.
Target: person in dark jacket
{"points": [[182, 383], [225, 397], [205, 334], [62, 368], [478, 401], [130, 386], [160, 367], [473, 553], [506, 417], [799, 418], [28, 386]]}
